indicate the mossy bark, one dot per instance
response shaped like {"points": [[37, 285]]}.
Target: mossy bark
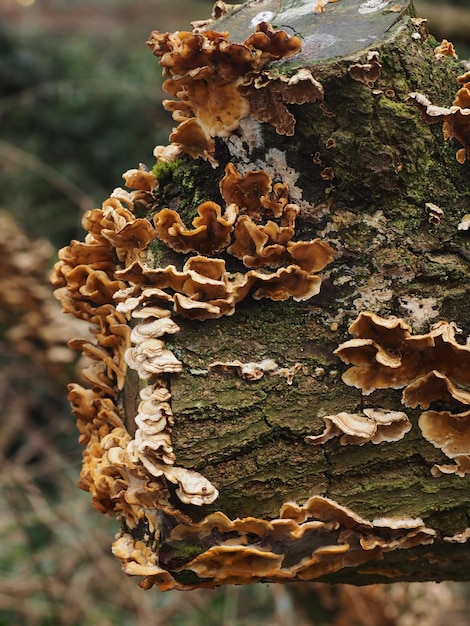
{"points": [[248, 437]]}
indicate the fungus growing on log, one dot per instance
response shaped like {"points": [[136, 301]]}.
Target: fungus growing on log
{"points": [[230, 256], [374, 425], [386, 354], [369, 72], [207, 72], [211, 231], [456, 118]]}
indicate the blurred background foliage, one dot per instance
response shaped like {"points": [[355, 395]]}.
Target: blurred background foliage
{"points": [[80, 104]]}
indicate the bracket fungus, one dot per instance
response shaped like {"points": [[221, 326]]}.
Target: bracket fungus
{"points": [[455, 119], [369, 72], [212, 77], [432, 369], [168, 278], [374, 425]]}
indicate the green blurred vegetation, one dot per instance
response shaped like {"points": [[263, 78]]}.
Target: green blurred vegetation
{"points": [[74, 115], [79, 106]]}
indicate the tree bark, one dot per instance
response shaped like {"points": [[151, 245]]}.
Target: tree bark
{"points": [[380, 186]]}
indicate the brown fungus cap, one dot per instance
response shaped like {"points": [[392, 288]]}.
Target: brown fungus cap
{"points": [[374, 425], [205, 290], [269, 245], [367, 73], [431, 388], [331, 537], [206, 71], [268, 97], [445, 49], [211, 232], [456, 119], [191, 138], [451, 434], [245, 191], [385, 354], [267, 106], [116, 225], [140, 178], [259, 245]]}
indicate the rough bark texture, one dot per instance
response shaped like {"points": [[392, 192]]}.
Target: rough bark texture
{"points": [[246, 436], [229, 484]]}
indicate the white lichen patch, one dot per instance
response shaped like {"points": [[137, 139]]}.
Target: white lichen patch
{"points": [[317, 42], [372, 6], [302, 9], [377, 221], [262, 16], [374, 294], [420, 310], [248, 137], [275, 164]]}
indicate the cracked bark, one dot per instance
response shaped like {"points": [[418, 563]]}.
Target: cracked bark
{"points": [[247, 437]]}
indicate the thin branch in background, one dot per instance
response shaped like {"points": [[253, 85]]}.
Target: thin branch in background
{"points": [[30, 161]]}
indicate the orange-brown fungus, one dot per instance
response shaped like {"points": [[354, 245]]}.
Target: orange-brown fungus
{"points": [[268, 98], [246, 191], [450, 433], [456, 119], [113, 282], [367, 73], [140, 179], [205, 72], [385, 354], [432, 368], [445, 49], [211, 231], [247, 550], [374, 425]]}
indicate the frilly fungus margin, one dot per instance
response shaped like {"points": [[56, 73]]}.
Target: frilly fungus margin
{"points": [[110, 280]]}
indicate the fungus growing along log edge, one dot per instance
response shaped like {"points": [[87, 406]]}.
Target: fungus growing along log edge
{"points": [[231, 423]]}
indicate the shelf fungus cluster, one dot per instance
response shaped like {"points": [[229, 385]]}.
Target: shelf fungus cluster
{"points": [[110, 281], [305, 542], [162, 262], [217, 83], [432, 369], [455, 119]]}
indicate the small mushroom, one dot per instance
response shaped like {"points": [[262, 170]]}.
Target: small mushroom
{"points": [[464, 223], [435, 213], [445, 49], [369, 72], [374, 425], [451, 434], [211, 231], [140, 179]]}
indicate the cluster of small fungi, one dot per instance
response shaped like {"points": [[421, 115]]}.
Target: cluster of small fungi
{"points": [[110, 281], [455, 119], [432, 369], [217, 83]]}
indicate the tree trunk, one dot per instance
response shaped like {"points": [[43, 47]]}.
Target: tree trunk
{"points": [[331, 418]]}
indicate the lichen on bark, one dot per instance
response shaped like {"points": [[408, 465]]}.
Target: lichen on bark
{"points": [[252, 368]]}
